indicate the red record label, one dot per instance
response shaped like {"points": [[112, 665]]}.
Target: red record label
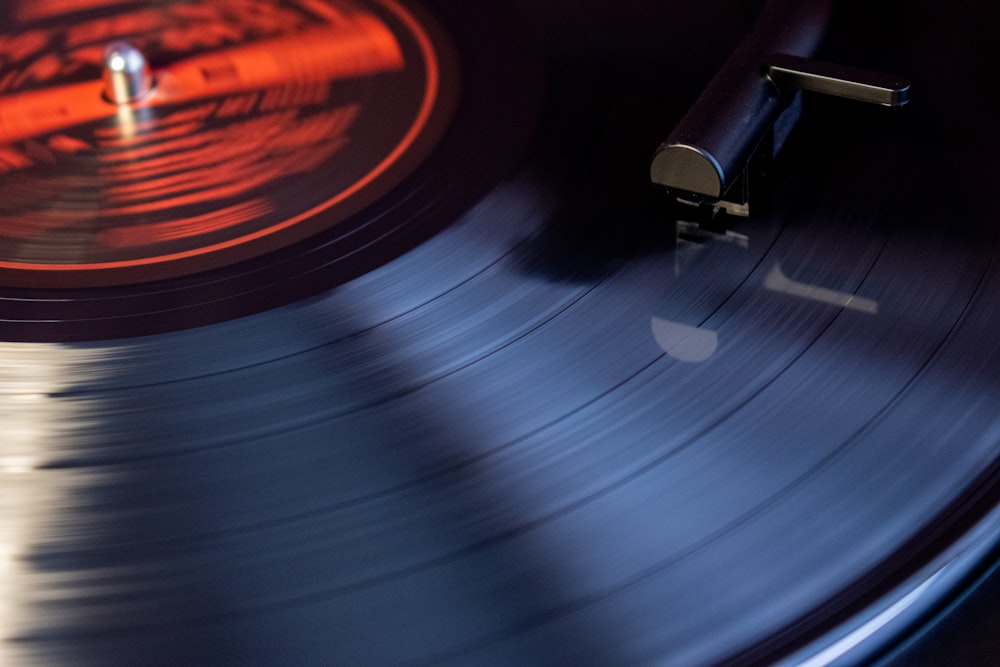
{"points": [[268, 122]]}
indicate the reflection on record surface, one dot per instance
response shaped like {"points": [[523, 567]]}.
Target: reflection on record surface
{"points": [[561, 430]]}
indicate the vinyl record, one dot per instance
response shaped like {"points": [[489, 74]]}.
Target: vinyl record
{"points": [[334, 139], [536, 417]]}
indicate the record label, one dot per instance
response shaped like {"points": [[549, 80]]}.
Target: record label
{"points": [[266, 123]]}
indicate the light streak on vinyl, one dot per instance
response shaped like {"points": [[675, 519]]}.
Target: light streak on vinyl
{"points": [[511, 412], [33, 500], [777, 281]]}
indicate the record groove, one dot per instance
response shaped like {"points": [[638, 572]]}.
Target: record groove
{"points": [[556, 425]]}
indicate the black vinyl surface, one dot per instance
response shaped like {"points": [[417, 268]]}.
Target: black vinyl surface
{"points": [[565, 428]]}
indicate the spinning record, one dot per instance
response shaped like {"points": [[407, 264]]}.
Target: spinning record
{"points": [[501, 401], [264, 124], [278, 150]]}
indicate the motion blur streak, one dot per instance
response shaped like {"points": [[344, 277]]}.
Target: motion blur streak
{"points": [[33, 422]]}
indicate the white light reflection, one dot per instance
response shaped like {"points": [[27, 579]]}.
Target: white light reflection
{"points": [[132, 119], [844, 646], [683, 341], [777, 281], [127, 121], [33, 425]]}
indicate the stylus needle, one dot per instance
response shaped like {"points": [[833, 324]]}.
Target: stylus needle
{"points": [[325, 54]]}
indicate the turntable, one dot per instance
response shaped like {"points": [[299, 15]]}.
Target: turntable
{"points": [[426, 332]]}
